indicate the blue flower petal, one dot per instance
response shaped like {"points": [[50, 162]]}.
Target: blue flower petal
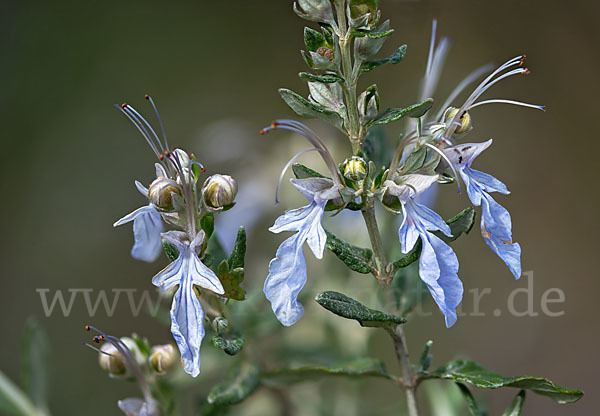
{"points": [[147, 227], [187, 326], [486, 181], [438, 265], [186, 311], [287, 277], [496, 231], [287, 271], [495, 218], [510, 253], [496, 224]]}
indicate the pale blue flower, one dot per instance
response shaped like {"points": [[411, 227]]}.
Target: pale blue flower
{"points": [[187, 317], [287, 271], [438, 265], [147, 227], [496, 225]]}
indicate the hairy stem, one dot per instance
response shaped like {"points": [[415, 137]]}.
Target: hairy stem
{"points": [[408, 381], [350, 78]]}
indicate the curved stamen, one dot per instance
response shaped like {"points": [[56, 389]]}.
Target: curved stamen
{"points": [[134, 111], [487, 82], [435, 149], [502, 101], [485, 85], [304, 128], [200, 165], [141, 129], [301, 129], [431, 46], [127, 359], [461, 86], [162, 129], [287, 166], [435, 63]]}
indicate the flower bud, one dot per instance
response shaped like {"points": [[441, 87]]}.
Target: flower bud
{"points": [[360, 8], [326, 52], [355, 168], [160, 192], [464, 120], [219, 191], [113, 363], [162, 358]]}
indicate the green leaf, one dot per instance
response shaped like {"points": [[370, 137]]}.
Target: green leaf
{"points": [[409, 290], [394, 58], [410, 257], [349, 308], [471, 403], [376, 147], [207, 223], [313, 39], [394, 114], [215, 253], [303, 172], [231, 279], [414, 161], [372, 34], [231, 343], [425, 360], [459, 224], [35, 360], [472, 373], [358, 368], [171, 251], [142, 344], [328, 78], [236, 259], [516, 406], [306, 109], [213, 410], [245, 379], [13, 401], [357, 259]]}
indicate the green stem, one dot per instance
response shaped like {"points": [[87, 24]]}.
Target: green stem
{"points": [[381, 264], [408, 381]]}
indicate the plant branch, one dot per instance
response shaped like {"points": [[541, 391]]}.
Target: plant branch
{"points": [[408, 380]]}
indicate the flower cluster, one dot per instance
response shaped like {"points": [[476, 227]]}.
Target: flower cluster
{"points": [[427, 154], [174, 200]]}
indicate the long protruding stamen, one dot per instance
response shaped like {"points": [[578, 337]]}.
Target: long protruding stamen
{"points": [[488, 82], [435, 63], [160, 123], [435, 149], [304, 128], [287, 166], [128, 359], [133, 110], [301, 129], [502, 101], [431, 46], [460, 87], [141, 129]]}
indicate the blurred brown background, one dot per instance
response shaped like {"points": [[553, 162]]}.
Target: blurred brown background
{"points": [[214, 68]]}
